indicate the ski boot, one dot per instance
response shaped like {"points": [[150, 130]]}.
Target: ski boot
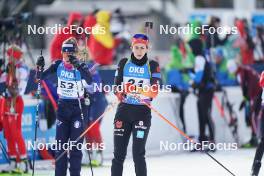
{"points": [[10, 167], [22, 167], [97, 158], [252, 143]]}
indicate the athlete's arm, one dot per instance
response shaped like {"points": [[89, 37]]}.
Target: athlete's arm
{"points": [[119, 74], [52, 69], [82, 68], [119, 79]]}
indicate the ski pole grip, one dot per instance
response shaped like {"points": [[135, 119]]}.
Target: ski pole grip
{"points": [[149, 25]]}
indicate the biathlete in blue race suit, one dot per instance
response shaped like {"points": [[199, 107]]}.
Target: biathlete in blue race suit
{"points": [[73, 78]]}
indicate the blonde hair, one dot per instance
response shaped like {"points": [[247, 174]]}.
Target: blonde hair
{"points": [[73, 41]]}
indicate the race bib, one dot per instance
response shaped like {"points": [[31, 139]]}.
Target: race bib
{"points": [[69, 89], [69, 83], [138, 76]]}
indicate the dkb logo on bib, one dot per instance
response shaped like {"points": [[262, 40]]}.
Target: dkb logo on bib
{"points": [[136, 70]]}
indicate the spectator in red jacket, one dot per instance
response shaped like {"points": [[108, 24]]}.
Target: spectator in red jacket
{"points": [[90, 21], [75, 18], [246, 43]]}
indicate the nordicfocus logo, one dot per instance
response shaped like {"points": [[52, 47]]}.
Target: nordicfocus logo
{"points": [[205, 145], [189, 29], [111, 88], [70, 145], [60, 29]]}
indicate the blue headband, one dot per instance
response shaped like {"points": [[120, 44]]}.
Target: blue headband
{"points": [[140, 36]]}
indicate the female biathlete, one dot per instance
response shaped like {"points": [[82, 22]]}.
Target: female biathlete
{"points": [[136, 81], [73, 78]]}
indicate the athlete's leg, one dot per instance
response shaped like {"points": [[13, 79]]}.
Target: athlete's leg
{"points": [[20, 142], [208, 111], [77, 127], [62, 136], [12, 153], [140, 135], [122, 132], [182, 102], [201, 118], [9, 125]]}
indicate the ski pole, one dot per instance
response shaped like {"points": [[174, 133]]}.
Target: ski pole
{"points": [[39, 74], [82, 116], [181, 132], [219, 106]]}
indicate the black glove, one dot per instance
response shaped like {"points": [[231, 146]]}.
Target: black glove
{"points": [[40, 62], [74, 61]]}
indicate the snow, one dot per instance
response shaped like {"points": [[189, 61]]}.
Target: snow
{"points": [[177, 164], [188, 164]]}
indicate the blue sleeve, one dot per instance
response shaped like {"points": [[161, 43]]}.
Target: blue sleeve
{"points": [[174, 78], [198, 77], [224, 79]]}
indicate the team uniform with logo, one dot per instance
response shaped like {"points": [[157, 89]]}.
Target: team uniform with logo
{"points": [[71, 86], [132, 116]]}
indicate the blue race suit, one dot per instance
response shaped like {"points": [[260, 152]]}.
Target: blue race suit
{"points": [[69, 124]]}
